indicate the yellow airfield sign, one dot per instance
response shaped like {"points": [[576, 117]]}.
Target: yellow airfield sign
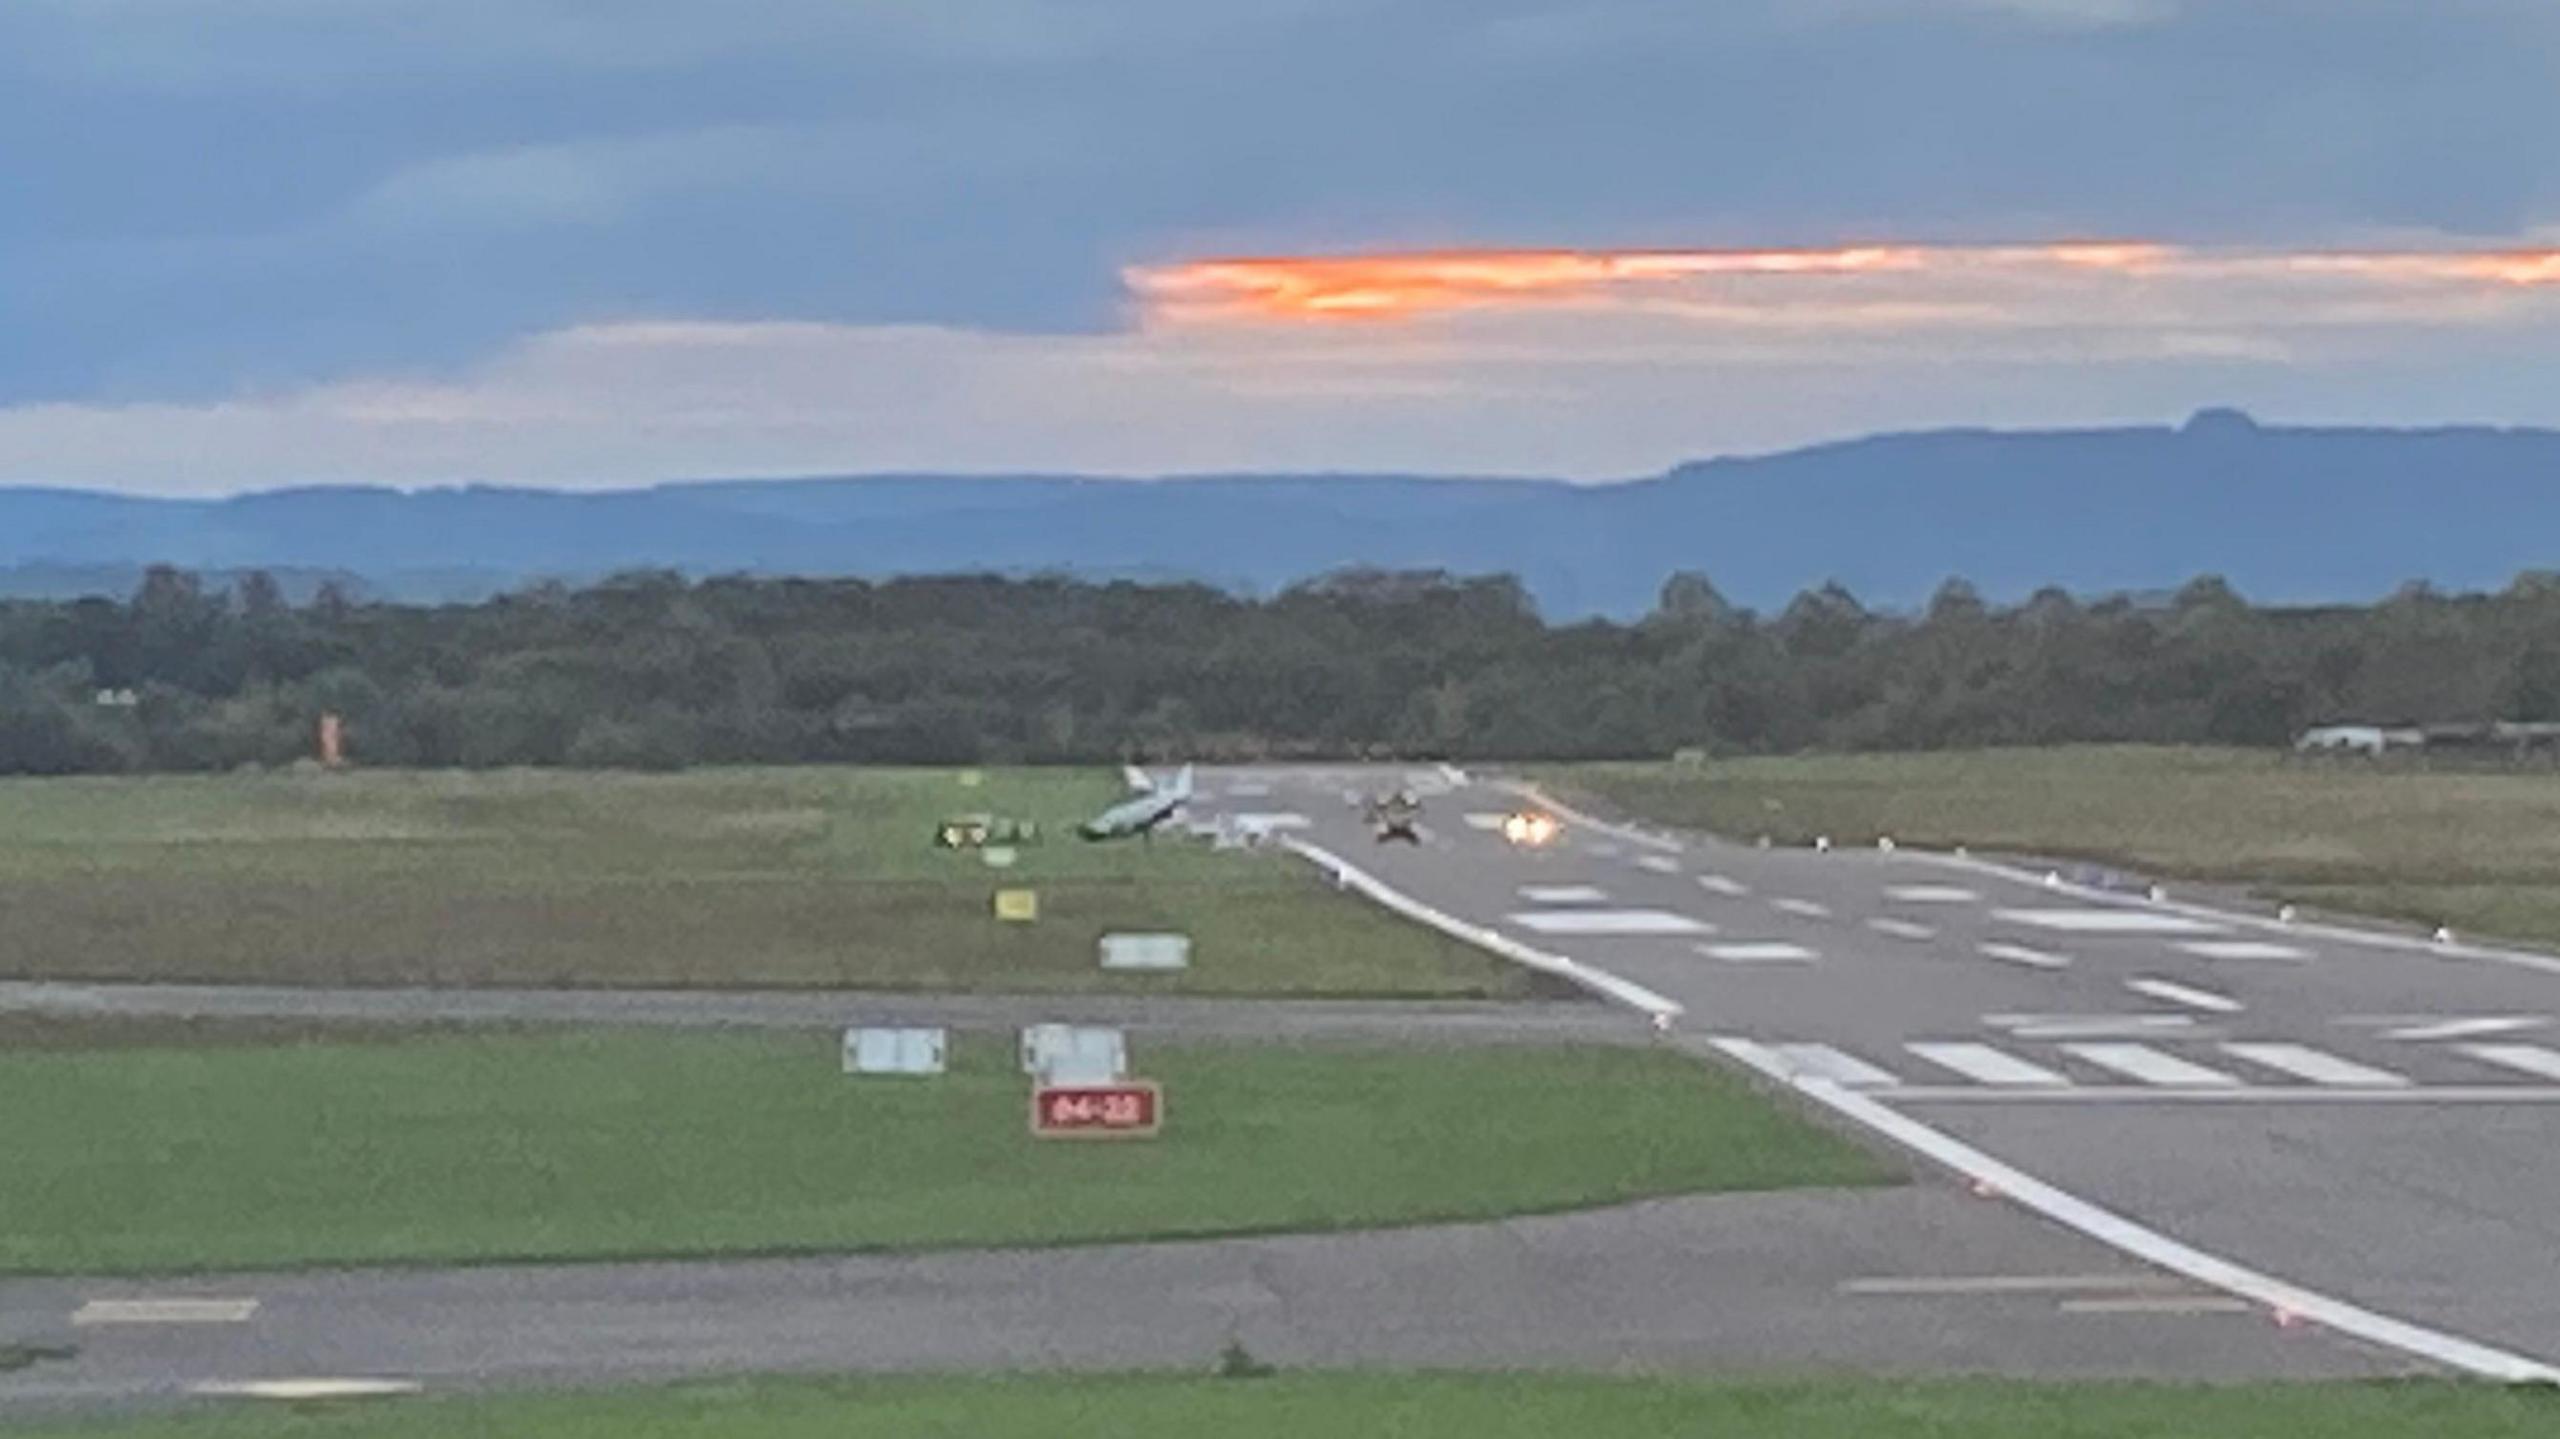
{"points": [[1018, 906]]}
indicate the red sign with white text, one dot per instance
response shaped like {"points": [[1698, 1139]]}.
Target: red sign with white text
{"points": [[1124, 1109]]}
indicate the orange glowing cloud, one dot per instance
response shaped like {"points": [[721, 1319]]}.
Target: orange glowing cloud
{"points": [[1396, 286]]}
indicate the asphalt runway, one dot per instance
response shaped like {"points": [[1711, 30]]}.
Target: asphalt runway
{"points": [[2369, 1153], [2372, 1117], [1171, 1017], [1910, 1280]]}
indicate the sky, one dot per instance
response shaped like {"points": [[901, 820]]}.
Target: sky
{"points": [[254, 243]]}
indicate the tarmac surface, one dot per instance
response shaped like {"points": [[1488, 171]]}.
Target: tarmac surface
{"points": [[2370, 1120], [2373, 1116]]}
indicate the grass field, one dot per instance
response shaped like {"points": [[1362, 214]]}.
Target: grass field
{"points": [[2477, 850], [1408, 1407], [735, 877], [624, 1144]]}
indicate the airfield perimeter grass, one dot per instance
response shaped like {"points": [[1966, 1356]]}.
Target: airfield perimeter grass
{"points": [[2476, 849], [1293, 1406], [603, 1143], [786, 876]]}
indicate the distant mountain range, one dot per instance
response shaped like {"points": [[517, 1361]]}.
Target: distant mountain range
{"points": [[2287, 514]]}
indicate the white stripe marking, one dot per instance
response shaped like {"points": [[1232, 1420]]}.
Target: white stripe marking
{"points": [[1563, 893], [1901, 929], [2243, 949], [309, 1389], [1759, 952], [1932, 1286], [1485, 820], [1931, 894], [2467, 1028], [1722, 885], [1821, 1061], [1658, 863], [2150, 1245], [2106, 921], [2151, 1066], [1988, 1065], [164, 1311], [1805, 907], [2533, 1059], [2192, 998], [2318, 1066], [2032, 958], [1607, 921]]}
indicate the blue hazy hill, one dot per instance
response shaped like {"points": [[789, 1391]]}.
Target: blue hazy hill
{"points": [[2287, 514]]}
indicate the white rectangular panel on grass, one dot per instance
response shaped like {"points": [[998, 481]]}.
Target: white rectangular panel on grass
{"points": [[883, 1050], [1075, 1054], [1146, 951]]}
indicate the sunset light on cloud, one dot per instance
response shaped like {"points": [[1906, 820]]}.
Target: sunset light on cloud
{"points": [[1398, 286]]}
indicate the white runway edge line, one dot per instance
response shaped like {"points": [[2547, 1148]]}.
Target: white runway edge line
{"points": [[1663, 1008], [2149, 1245]]}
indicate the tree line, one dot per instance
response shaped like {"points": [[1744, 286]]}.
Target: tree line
{"points": [[652, 670]]}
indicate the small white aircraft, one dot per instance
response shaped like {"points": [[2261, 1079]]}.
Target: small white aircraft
{"points": [[1141, 813]]}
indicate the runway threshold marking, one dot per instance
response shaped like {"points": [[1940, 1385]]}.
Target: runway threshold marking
{"points": [[1658, 863], [1731, 889], [2151, 1066], [2149, 1245], [2188, 995], [1931, 1286], [2318, 1066], [189, 1310], [1987, 1065], [1821, 1061], [1901, 928], [1802, 907], [2533, 1059]]}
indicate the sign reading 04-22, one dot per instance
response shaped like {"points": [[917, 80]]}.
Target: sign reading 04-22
{"points": [[1122, 1109]]}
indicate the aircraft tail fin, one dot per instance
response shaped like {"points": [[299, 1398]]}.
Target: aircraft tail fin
{"points": [[1182, 784]]}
